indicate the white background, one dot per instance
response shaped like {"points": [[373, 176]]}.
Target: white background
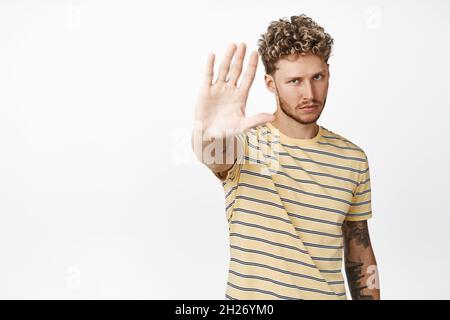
{"points": [[100, 194]]}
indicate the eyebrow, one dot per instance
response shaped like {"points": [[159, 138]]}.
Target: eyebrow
{"points": [[293, 78]]}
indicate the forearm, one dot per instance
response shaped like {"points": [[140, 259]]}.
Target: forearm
{"points": [[217, 154], [362, 274], [360, 263]]}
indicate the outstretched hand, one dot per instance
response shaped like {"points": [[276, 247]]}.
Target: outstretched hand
{"points": [[221, 105]]}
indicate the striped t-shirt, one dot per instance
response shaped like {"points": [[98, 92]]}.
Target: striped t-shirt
{"points": [[286, 200]]}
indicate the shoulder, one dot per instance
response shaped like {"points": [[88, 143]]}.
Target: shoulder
{"points": [[340, 142], [259, 130], [255, 135]]}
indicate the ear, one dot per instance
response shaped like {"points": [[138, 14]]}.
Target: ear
{"points": [[268, 80]]}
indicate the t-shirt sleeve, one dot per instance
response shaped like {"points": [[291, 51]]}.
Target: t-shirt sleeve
{"points": [[361, 207], [233, 172]]}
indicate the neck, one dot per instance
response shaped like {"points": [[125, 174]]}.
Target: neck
{"points": [[293, 128]]}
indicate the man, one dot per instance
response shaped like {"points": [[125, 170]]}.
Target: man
{"points": [[297, 195]]}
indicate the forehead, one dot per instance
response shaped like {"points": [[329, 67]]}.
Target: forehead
{"points": [[297, 65]]}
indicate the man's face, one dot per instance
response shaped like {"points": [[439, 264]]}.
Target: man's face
{"points": [[300, 81]]}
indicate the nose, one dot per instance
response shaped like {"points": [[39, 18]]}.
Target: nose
{"points": [[307, 91]]}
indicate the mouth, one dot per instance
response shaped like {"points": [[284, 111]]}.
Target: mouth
{"points": [[309, 108]]}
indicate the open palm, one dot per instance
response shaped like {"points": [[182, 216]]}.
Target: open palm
{"points": [[221, 105]]}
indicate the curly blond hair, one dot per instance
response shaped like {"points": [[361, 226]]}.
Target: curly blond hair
{"points": [[299, 35]]}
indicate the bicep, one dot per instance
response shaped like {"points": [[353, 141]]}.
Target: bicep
{"points": [[356, 237]]}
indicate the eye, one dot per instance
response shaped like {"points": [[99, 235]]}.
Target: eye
{"points": [[293, 80], [318, 77]]}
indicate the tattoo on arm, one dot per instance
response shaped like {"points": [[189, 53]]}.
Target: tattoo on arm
{"points": [[358, 232], [354, 275]]}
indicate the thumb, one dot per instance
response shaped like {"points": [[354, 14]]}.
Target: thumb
{"points": [[256, 120]]}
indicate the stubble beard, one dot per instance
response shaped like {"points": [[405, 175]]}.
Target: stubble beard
{"points": [[290, 112]]}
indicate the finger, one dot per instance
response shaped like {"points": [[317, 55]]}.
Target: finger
{"points": [[257, 120], [236, 67], [225, 64], [209, 71], [249, 75]]}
